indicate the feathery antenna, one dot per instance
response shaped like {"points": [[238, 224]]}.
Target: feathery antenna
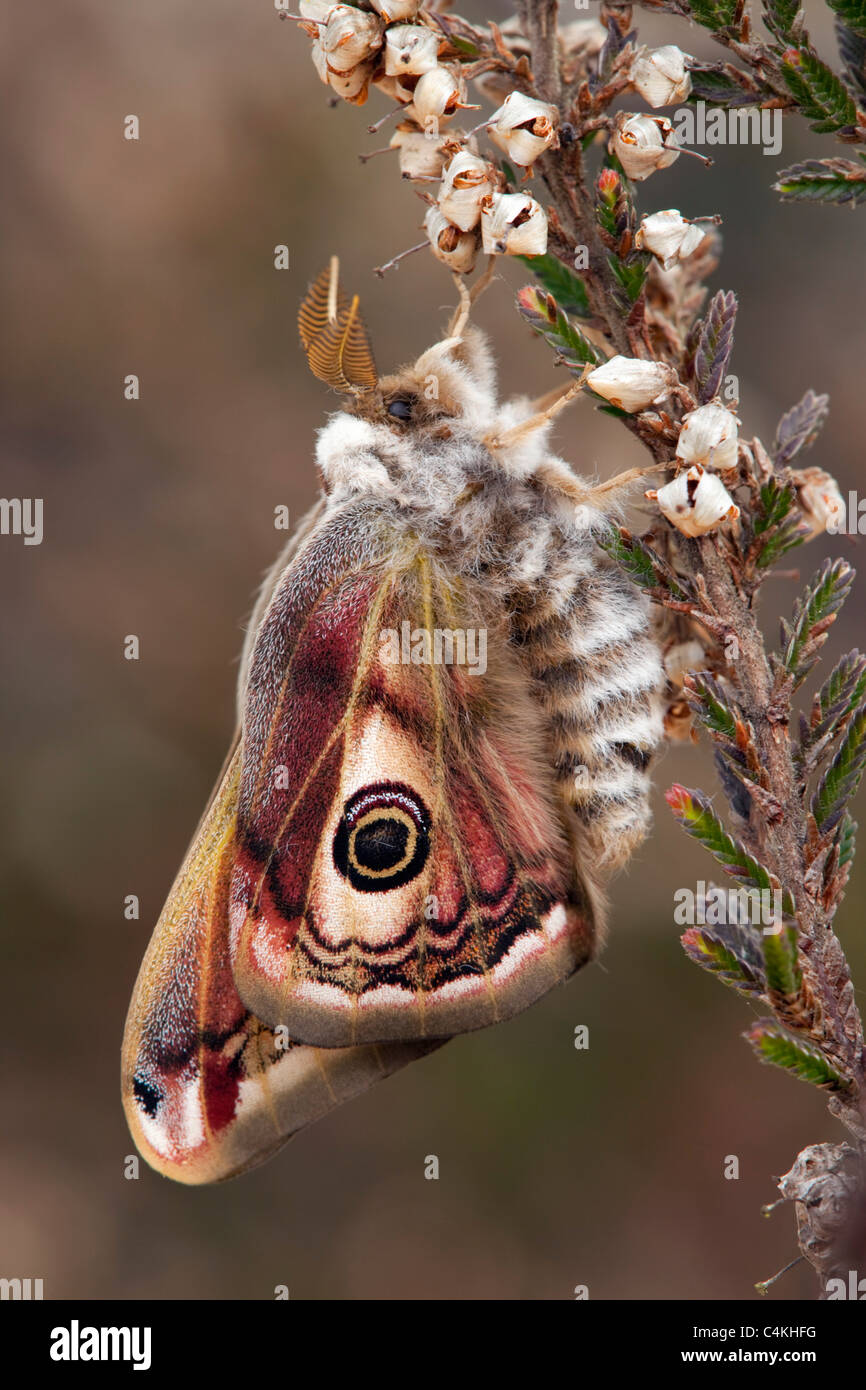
{"points": [[333, 335]]}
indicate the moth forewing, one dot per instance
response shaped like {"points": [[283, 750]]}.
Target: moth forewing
{"points": [[410, 876], [305, 527]]}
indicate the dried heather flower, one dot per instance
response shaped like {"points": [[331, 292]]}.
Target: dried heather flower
{"points": [[678, 723], [400, 87], [668, 236], [643, 144], [440, 93], [513, 224], [820, 500], [631, 383], [420, 155], [350, 37], [695, 502], [410, 48], [661, 76], [709, 436], [316, 10], [683, 657], [465, 182], [394, 10], [524, 128], [352, 85], [455, 248]]}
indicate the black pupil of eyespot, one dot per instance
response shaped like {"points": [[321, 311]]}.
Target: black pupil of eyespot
{"points": [[147, 1095], [401, 410], [381, 845], [382, 840]]}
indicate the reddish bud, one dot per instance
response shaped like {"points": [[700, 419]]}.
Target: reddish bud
{"points": [[527, 298], [608, 184], [679, 799]]}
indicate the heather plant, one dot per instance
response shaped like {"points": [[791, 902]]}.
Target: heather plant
{"points": [[509, 135]]}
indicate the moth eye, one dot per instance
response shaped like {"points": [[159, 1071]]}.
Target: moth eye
{"points": [[383, 838], [147, 1095], [401, 408]]}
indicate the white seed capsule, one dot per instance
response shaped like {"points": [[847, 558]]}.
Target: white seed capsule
{"points": [[440, 93], [465, 182], [350, 37], [821, 502], [352, 85], [316, 10], [709, 436], [399, 89], [393, 10], [420, 155], [661, 76], [643, 144], [668, 236], [410, 48], [513, 224], [524, 128], [683, 657], [695, 502], [456, 249], [632, 383]]}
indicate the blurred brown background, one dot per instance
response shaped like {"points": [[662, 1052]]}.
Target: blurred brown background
{"points": [[558, 1167]]}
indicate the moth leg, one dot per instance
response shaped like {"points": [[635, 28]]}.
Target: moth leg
{"points": [[585, 636], [507, 439], [556, 475], [549, 398]]}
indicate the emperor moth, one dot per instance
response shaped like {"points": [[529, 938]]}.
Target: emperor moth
{"points": [[403, 845]]}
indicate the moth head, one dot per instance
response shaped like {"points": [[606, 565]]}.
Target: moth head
{"points": [[447, 394], [451, 387], [453, 380], [387, 434]]}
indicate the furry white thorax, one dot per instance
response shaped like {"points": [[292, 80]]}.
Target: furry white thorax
{"points": [[413, 469]]}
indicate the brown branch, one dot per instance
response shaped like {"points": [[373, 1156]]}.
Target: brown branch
{"points": [[776, 829], [575, 212], [539, 23]]}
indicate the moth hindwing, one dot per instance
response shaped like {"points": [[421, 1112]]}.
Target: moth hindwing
{"points": [[401, 869]]}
